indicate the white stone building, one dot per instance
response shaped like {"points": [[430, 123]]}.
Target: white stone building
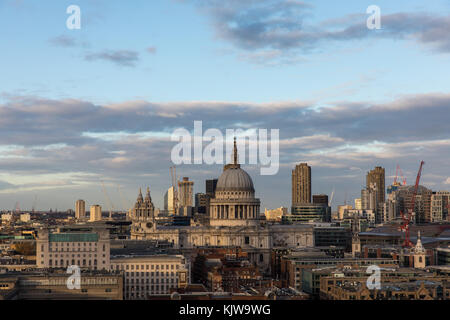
{"points": [[64, 247], [151, 275]]}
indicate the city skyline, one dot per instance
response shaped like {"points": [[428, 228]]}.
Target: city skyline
{"points": [[96, 104]]}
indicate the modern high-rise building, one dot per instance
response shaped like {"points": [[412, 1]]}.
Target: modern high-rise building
{"points": [[377, 177], [422, 205], [80, 209], [211, 187], [301, 184], [440, 204], [169, 201], [96, 213], [186, 192], [369, 198]]}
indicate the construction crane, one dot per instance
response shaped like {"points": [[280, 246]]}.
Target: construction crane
{"points": [[407, 219], [108, 200], [331, 198], [173, 173], [397, 171]]}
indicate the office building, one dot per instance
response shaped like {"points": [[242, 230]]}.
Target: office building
{"points": [[169, 201], [342, 209], [308, 212], [152, 275], [320, 199], [202, 203], [211, 187], [84, 246], [376, 179], [36, 285], [80, 210], [369, 198], [358, 204], [440, 204], [186, 192], [301, 184], [96, 213]]}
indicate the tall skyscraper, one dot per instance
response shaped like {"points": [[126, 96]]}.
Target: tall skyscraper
{"points": [[301, 184], [96, 213], [80, 209], [377, 177], [186, 192]]}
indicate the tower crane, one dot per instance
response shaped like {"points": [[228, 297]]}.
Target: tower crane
{"points": [[407, 219], [397, 171], [331, 198]]}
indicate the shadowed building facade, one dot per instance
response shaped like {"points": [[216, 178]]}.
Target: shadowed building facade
{"points": [[301, 184]]}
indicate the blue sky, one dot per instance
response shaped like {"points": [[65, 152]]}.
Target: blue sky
{"points": [[171, 53]]}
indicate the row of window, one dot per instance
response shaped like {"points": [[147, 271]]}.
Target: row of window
{"points": [[150, 274], [66, 263], [73, 256], [146, 267], [129, 291], [172, 280]]}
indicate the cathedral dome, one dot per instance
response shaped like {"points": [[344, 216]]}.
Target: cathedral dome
{"points": [[235, 179]]}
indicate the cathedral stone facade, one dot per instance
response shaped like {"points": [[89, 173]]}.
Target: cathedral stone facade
{"points": [[234, 221]]}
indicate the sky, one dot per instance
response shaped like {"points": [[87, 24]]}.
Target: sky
{"points": [[99, 104]]}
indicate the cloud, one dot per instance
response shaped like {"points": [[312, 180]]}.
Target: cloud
{"points": [[273, 28], [5, 185], [64, 41], [126, 58], [125, 142]]}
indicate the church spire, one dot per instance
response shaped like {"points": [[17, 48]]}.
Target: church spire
{"points": [[140, 198], [234, 158], [235, 153], [148, 198]]}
